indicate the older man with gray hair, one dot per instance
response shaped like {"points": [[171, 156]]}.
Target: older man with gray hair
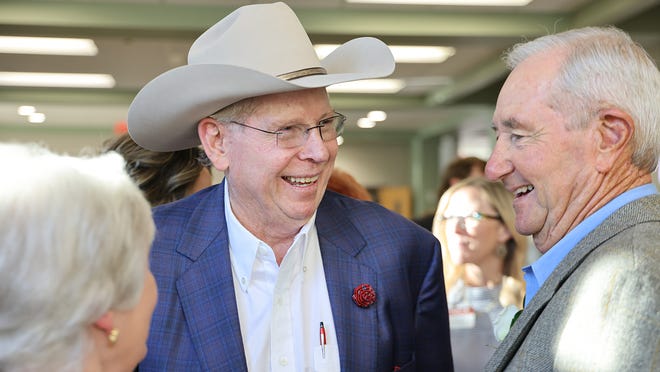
{"points": [[577, 142]]}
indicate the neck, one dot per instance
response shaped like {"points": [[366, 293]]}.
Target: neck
{"points": [[602, 191], [279, 237], [92, 362], [485, 274]]}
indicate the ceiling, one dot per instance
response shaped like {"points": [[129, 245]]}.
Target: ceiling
{"points": [[139, 39]]}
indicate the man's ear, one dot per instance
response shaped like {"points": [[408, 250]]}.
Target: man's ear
{"points": [[614, 132], [212, 136]]}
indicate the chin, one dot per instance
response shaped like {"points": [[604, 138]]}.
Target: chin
{"points": [[522, 225]]}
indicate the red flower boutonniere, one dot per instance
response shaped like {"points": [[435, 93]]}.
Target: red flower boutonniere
{"points": [[364, 295]]}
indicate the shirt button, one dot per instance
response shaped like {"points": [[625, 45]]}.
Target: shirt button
{"points": [[284, 361]]}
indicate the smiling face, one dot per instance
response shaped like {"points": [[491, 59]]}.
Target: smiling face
{"points": [[473, 241], [273, 188], [548, 167]]}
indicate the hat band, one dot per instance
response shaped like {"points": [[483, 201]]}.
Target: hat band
{"points": [[302, 73]]}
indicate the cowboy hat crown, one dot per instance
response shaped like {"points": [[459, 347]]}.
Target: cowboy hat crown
{"points": [[255, 50]]}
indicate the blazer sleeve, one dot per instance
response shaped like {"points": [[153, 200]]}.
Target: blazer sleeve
{"points": [[433, 349]]}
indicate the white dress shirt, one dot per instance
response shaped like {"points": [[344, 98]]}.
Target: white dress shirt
{"points": [[280, 308]]}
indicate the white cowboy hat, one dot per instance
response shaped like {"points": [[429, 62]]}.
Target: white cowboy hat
{"points": [[255, 50]]}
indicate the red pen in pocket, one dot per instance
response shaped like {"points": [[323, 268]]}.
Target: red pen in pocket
{"points": [[322, 339]]}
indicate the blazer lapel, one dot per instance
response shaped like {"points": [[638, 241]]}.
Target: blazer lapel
{"points": [[625, 217], [206, 290], [356, 327]]}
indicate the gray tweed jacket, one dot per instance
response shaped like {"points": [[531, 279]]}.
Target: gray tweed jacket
{"points": [[600, 308]]}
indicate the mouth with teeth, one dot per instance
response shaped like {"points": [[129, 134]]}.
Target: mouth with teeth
{"points": [[522, 190], [301, 181]]}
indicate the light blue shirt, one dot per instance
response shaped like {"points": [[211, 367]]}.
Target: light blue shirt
{"points": [[537, 273]]}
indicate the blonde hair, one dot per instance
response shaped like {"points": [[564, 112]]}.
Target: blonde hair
{"points": [[516, 247]]}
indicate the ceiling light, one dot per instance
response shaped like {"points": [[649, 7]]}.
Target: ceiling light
{"points": [[447, 2], [340, 140], [37, 118], [403, 53], [368, 86], [376, 115], [43, 79], [365, 123], [26, 110], [47, 45]]}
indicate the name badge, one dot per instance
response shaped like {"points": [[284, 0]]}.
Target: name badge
{"points": [[464, 318]]}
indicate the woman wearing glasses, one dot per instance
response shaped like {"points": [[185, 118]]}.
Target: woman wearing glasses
{"points": [[482, 257]]}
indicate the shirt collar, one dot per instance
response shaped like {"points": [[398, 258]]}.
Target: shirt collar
{"points": [[546, 264], [244, 247]]}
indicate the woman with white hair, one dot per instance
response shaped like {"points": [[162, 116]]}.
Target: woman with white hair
{"points": [[76, 292]]}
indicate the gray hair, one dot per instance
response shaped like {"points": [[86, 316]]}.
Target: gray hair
{"points": [[236, 111], [604, 68], [75, 237]]}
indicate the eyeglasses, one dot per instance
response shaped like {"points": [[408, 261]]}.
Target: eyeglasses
{"points": [[296, 135], [473, 218]]}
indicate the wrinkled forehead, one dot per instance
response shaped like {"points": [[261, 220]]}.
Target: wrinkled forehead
{"points": [[303, 105], [527, 93]]}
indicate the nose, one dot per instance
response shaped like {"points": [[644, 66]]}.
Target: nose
{"points": [[315, 148], [459, 226], [498, 165]]}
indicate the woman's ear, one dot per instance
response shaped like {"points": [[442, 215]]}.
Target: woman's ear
{"points": [[105, 322], [614, 131], [503, 234], [212, 135]]}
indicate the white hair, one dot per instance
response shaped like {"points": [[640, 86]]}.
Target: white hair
{"points": [[603, 68], [75, 237]]}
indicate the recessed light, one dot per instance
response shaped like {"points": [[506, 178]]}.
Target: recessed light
{"points": [[447, 2], [376, 115], [365, 123], [403, 53], [61, 80], [36, 118], [47, 45], [26, 110], [368, 86]]}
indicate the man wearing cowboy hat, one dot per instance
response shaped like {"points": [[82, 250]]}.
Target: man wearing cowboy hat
{"points": [[267, 271]]}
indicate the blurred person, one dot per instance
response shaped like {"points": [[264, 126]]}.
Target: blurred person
{"points": [[76, 291], [344, 183], [577, 133], [163, 176], [266, 271], [482, 255], [458, 169]]}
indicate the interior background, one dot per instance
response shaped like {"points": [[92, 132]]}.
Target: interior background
{"points": [[444, 110]]}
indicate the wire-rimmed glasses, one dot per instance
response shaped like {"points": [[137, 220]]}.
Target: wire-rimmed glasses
{"points": [[471, 219], [295, 135]]}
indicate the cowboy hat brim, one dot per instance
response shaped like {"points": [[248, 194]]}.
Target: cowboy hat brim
{"points": [[164, 114]]}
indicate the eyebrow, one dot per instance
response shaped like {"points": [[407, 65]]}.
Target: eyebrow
{"points": [[511, 123]]}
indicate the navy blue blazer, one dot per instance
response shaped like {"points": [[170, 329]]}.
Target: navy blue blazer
{"points": [[195, 325]]}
